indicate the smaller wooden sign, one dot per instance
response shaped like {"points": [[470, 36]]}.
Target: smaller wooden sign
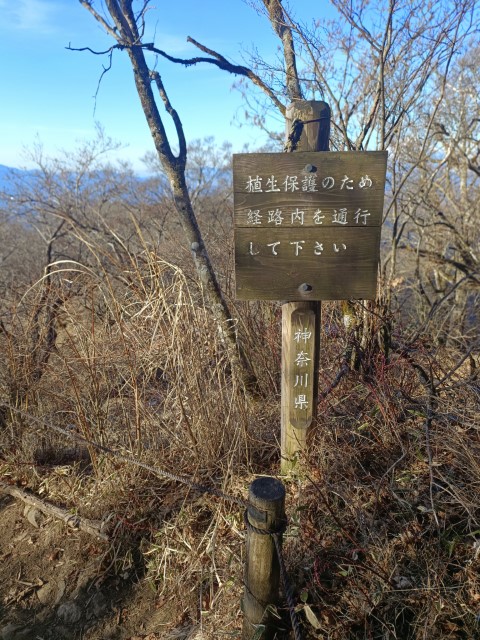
{"points": [[307, 224], [300, 366]]}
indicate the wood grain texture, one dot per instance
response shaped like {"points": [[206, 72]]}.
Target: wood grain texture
{"points": [[295, 420], [315, 134], [337, 164], [342, 213], [346, 268], [266, 511], [300, 343]]}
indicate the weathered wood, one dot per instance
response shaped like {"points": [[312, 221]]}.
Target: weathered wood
{"points": [[266, 511], [294, 425], [308, 217], [315, 118], [335, 266], [299, 384], [313, 186], [72, 520], [300, 331]]}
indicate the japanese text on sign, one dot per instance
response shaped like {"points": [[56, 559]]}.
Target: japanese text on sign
{"points": [[309, 183], [299, 362], [311, 218], [301, 217]]}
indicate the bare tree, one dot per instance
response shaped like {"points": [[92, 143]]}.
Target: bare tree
{"points": [[127, 28], [440, 206], [383, 68], [387, 70]]}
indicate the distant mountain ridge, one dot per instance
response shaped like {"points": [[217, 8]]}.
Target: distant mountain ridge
{"points": [[211, 176], [5, 172]]}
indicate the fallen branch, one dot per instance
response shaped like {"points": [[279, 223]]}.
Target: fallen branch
{"points": [[74, 521]]}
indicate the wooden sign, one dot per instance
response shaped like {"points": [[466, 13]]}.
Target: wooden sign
{"points": [[308, 224], [299, 370]]}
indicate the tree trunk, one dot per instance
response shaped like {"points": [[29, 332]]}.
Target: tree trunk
{"points": [[128, 36]]}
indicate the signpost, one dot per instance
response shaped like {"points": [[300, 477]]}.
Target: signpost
{"points": [[307, 228], [307, 224]]}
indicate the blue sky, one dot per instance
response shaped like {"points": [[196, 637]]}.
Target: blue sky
{"points": [[47, 91]]}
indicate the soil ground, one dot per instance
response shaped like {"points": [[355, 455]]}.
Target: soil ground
{"points": [[53, 585]]}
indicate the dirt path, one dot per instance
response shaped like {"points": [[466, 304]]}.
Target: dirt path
{"points": [[54, 584]]}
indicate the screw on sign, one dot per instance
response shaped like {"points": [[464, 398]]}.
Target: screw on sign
{"points": [[308, 217], [307, 228]]}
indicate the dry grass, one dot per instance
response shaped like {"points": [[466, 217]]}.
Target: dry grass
{"points": [[384, 533]]}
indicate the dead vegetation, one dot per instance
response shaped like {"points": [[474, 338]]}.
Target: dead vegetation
{"points": [[114, 367], [383, 540]]}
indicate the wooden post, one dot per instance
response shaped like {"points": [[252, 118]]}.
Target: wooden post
{"points": [[266, 511], [301, 320]]}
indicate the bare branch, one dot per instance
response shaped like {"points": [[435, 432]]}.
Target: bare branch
{"points": [[222, 63], [96, 53], [104, 71], [108, 28], [315, 55], [121, 23], [182, 154], [354, 19], [92, 527], [127, 12], [284, 32]]}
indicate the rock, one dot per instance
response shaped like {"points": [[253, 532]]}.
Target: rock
{"points": [[401, 582], [51, 592], [45, 592], [60, 590], [69, 613]]}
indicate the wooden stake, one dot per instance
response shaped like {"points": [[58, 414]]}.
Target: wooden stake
{"points": [[266, 512], [308, 129]]}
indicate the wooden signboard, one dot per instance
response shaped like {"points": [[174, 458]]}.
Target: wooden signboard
{"points": [[307, 224], [299, 369]]}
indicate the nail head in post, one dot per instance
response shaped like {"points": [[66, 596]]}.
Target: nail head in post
{"points": [[305, 288], [310, 168]]}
